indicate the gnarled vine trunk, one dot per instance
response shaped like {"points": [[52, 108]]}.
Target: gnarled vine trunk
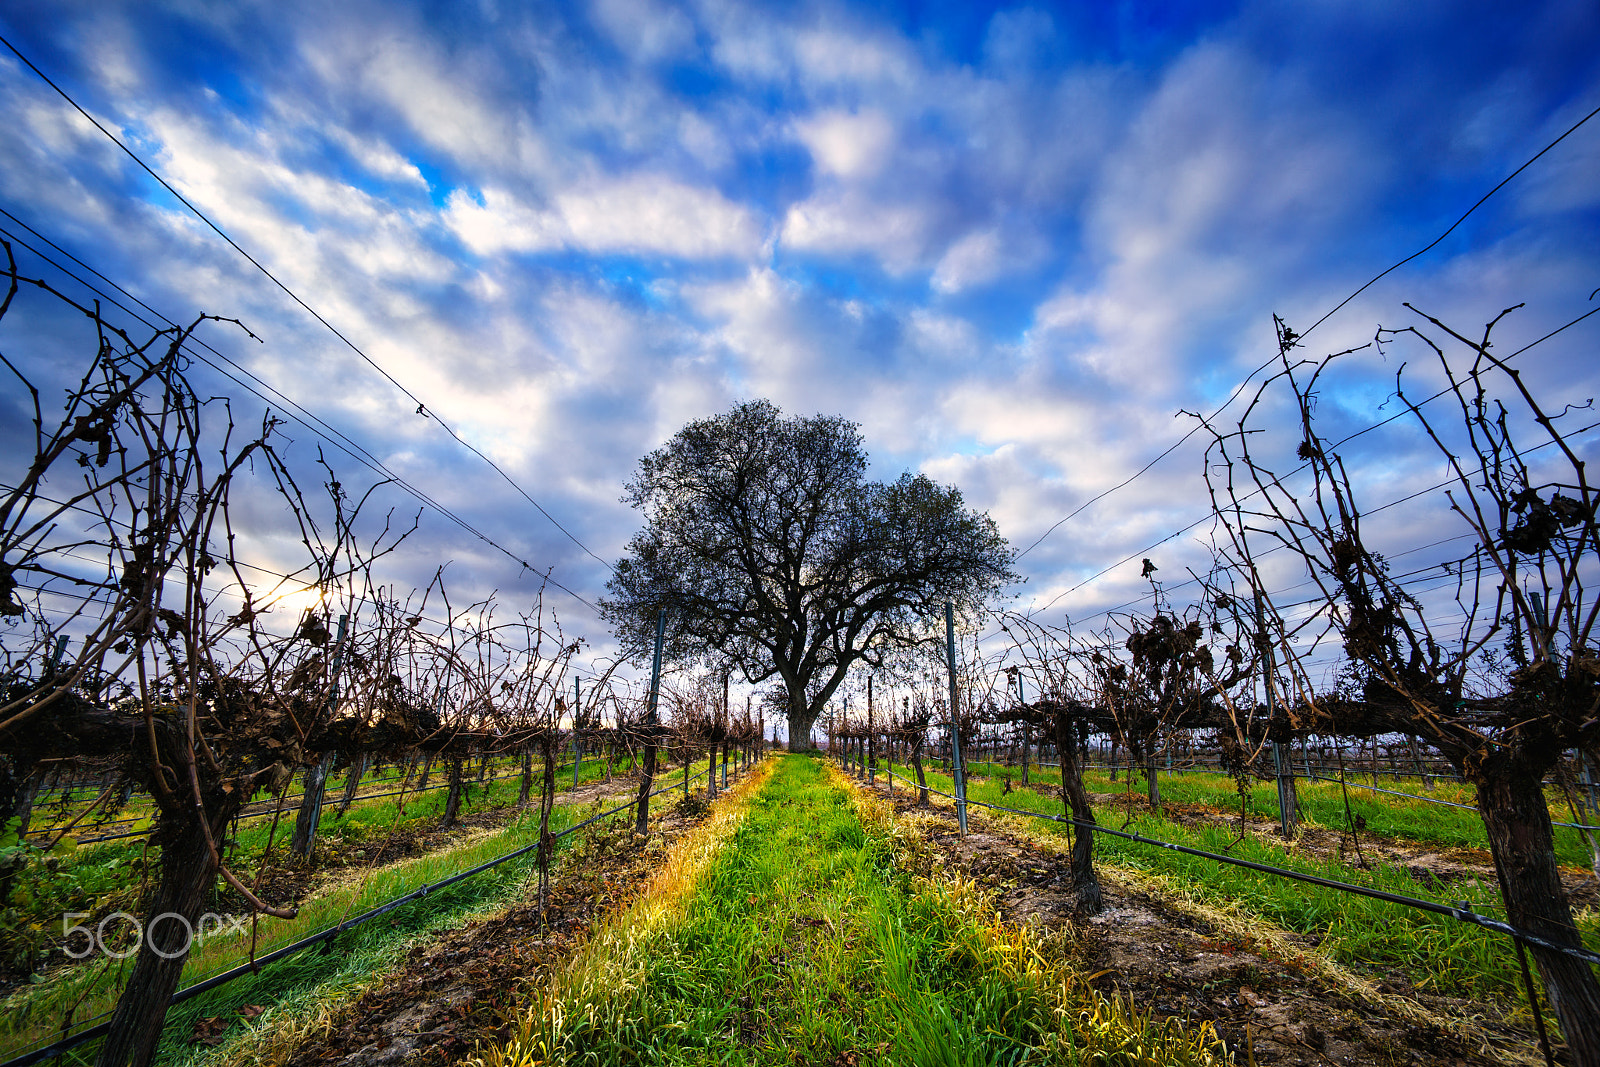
{"points": [[188, 874], [1085, 886], [452, 800], [1517, 818]]}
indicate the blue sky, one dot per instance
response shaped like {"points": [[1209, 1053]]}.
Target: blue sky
{"points": [[1011, 241]]}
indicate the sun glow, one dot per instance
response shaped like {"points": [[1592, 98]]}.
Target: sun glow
{"points": [[297, 601]]}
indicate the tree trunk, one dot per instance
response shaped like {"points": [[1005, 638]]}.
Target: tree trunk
{"points": [[304, 841], [1075, 799], [802, 718], [352, 784], [187, 877], [452, 800], [1511, 800]]}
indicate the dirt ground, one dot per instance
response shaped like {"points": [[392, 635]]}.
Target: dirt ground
{"points": [[463, 987], [1267, 996]]}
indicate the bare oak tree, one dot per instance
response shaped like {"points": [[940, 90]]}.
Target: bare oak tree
{"points": [[772, 554]]}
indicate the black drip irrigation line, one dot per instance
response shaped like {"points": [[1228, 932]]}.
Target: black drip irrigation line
{"points": [[1462, 912], [327, 935]]}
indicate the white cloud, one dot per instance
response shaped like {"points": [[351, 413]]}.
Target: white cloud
{"points": [[377, 157], [641, 213], [973, 260], [1017, 38], [645, 29], [854, 56], [1231, 177], [849, 221], [848, 145]]}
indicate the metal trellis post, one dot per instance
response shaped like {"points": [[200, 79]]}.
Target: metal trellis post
{"points": [[577, 738], [647, 772], [955, 730]]}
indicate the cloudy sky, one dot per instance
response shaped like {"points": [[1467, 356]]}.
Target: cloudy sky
{"points": [[1012, 242]]}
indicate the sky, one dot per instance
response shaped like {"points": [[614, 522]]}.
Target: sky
{"points": [[1013, 243]]}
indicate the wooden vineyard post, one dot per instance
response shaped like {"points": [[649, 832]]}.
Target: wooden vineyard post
{"points": [[956, 769], [648, 772], [352, 782], [304, 841], [1282, 755]]}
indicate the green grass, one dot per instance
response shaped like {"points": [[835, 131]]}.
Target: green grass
{"points": [[805, 941], [34, 1011], [1322, 803], [1435, 953], [106, 877]]}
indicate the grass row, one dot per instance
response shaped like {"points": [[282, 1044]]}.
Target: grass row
{"points": [[87, 990], [139, 813], [1433, 952], [806, 939], [1323, 803], [99, 878]]}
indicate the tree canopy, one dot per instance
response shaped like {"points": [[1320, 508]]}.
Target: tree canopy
{"points": [[773, 554]]}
